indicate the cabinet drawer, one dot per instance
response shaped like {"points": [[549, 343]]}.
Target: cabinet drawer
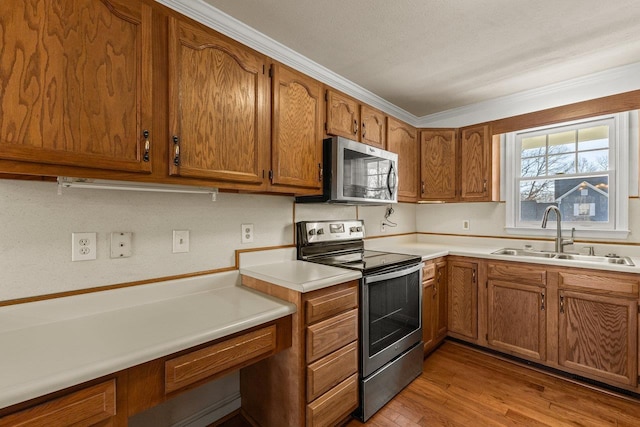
{"points": [[330, 370], [331, 334], [518, 273], [334, 405], [195, 366], [324, 306], [428, 272], [84, 407], [599, 283]]}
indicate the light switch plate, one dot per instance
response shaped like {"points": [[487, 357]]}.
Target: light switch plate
{"points": [[121, 244], [180, 241]]}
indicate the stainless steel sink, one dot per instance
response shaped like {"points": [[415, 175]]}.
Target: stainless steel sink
{"points": [[613, 259]]}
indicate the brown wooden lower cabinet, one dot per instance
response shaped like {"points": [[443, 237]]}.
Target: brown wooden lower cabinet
{"points": [[315, 382], [434, 303], [463, 299]]}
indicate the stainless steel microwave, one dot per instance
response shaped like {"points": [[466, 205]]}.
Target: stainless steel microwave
{"points": [[356, 173]]}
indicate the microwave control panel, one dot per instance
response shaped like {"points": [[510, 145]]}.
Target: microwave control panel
{"points": [[330, 231]]}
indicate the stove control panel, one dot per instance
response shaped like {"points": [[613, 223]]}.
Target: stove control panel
{"points": [[329, 231]]}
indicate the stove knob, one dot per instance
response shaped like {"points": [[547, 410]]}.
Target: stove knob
{"points": [[353, 229], [321, 231], [359, 228], [312, 232]]}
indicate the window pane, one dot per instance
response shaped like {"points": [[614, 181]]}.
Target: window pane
{"points": [[593, 138], [579, 199], [562, 142], [534, 146], [561, 164], [593, 161], [533, 166]]}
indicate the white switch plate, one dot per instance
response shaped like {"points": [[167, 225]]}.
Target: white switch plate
{"points": [[247, 233], [83, 246], [180, 241], [121, 244]]}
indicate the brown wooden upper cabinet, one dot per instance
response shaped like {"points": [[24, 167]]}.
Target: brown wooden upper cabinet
{"points": [[402, 139], [218, 107], [348, 118], [76, 83], [458, 164], [296, 131], [438, 155]]}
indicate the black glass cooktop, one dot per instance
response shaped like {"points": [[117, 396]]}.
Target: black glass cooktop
{"points": [[370, 261]]}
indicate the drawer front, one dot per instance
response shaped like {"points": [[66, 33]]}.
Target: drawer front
{"points": [[600, 283], [334, 405], [325, 306], [429, 271], [195, 366], [331, 370], [84, 407], [518, 273], [331, 334]]}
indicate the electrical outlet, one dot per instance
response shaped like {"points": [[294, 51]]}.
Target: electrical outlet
{"points": [[383, 227], [247, 233], [83, 246], [180, 241], [466, 224], [121, 245]]}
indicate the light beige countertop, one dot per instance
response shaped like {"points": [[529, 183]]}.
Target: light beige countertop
{"points": [[435, 250], [53, 344], [300, 276]]}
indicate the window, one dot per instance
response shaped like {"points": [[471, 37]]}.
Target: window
{"points": [[581, 167]]}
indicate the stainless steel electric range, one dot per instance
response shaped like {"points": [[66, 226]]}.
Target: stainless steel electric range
{"points": [[391, 350]]}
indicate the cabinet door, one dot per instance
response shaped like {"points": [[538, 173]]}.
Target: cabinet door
{"points": [[517, 319], [463, 299], [428, 315], [76, 83], [438, 150], [218, 107], [296, 155], [373, 127], [402, 140], [598, 336], [440, 301], [475, 172], [343, 116]]}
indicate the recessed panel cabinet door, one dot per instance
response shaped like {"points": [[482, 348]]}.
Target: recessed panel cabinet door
{"points": [[475, 153], [402, 139], [296, 129], [75, 83], [218, 107], [598, 336], [463, 299], [373, 127], [343, 116], [438, 151]]}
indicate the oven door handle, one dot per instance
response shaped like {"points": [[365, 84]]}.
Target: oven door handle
{"points": [[393, 274]]}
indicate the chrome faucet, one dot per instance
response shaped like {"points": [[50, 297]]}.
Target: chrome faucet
{"points": [[560, 242]]}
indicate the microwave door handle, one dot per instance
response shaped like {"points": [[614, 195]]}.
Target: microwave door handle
{"points": [[391, 189]]}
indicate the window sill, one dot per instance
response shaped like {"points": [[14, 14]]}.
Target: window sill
{"points": [[566, 233]]}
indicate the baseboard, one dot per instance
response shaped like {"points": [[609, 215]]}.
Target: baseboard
{"points": [[212, 413]]}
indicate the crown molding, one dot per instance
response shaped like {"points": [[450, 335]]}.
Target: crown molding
{"points": [[231, 27], [609, 82]]}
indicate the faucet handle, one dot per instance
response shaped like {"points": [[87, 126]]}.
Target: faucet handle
{"points": [[590, 250]]}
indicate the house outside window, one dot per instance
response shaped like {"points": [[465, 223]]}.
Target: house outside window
{"points": [[581, 167]]}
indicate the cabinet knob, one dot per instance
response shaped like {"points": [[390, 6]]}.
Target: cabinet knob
{"points": [[147, 145]]}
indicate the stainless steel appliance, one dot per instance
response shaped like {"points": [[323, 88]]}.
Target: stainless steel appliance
{"points": [[390, 332], [356, 173]]}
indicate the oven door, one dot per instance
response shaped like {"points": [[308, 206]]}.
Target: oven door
{"points": [[391, 316]]}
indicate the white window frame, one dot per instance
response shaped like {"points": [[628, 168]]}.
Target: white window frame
{"points": [[623, 141]]}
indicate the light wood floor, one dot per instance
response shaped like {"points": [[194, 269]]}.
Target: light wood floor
{"points": [[463, 387]]}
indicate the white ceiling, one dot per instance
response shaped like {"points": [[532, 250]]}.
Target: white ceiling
{"points": [[428, 56]]}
